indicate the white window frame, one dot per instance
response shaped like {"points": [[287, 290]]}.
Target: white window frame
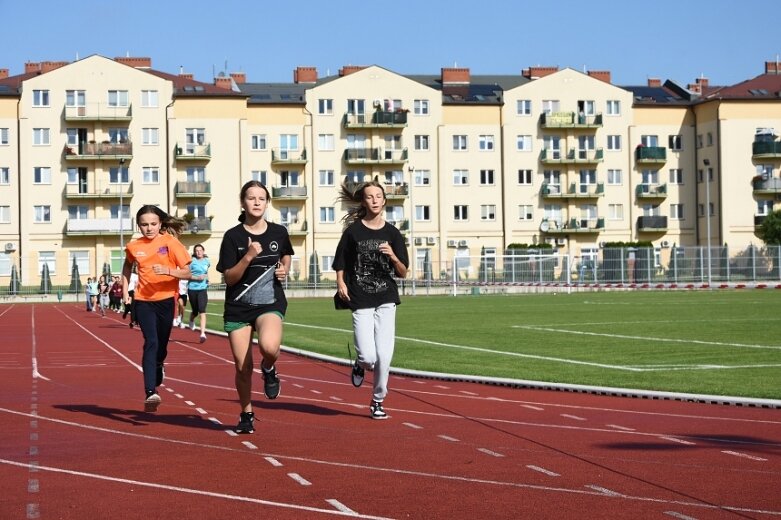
{"points": [[326, 178], [420, 107], [41, 137], [460, 213], [75, 98], [258, 142], [525, 212], [488, 212], [615, 176], [460, 177], [327, 215], [422, 178], [614, 143], [150, 136], [42, 175], [613, 107], [118, 98], [676, 176], [676, 212], [150, 98], [5, 176], [615, 212], [524, 143], [325, 107], [525, 176], [4, 136], [523, 107], [42, 214], [48, 258], [485, 143], [422, 142], [326, 142], [460, 143], [150, 175], [41, 98], [260, 175], [487, 177], [423, 213]]}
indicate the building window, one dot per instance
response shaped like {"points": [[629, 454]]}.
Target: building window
{"points": [[614, 142], [421, 142], [289, 179], [486, 177], [709, 139], [550, 105], [676, 211], [150, 175], [325, 142], [75, 98], [614, 177], [118, 175], [613, 107], [525, 212], [258, 142], [118, 98], [615, 212], [4, 136], [78, 212], [40, 98], [150, 136], [42, 214], [699, 140], [676, 176], [325, 107], [42, 175], [459, 143], [460, 212], [149, 99], [486, 143], [524, 176], [327, 215], [288, 142], [326, 177], [326, 263], [41, 136], [5, 175], [764, 207], [47, 258], [488, 212], [675, 143], [288, 215], [523, 143], [422, 213], [261, 176], [420, 107], [523, 107], [5, 214], [422, 177], [460, 177]]}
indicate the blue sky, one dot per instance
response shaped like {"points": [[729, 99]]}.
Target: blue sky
{"points": [[723, 40]]}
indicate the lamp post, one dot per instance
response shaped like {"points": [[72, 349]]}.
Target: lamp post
{"points": [[121, 211], [706, 172], [413, 260]]}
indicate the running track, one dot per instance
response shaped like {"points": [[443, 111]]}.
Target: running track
{"points": [[75, 444]]}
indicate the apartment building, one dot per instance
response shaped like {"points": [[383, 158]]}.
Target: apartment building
{"points": [[471, 163]]}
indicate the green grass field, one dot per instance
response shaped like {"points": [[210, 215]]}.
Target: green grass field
{"points": [[706, 342]]}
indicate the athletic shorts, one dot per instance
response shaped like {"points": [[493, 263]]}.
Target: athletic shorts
{"points": [[183, 298], [230, 326], [198, 300]]}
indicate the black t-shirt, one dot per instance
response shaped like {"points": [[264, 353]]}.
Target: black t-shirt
{"points": [[368, 273], [258, 291]]}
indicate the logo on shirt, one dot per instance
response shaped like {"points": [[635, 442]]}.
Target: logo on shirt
{"points": [[162, 250], [274, 246]]}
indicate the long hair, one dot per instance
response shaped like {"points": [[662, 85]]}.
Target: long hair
{"points": [[172, 225], [353, 198], [243, 193]]}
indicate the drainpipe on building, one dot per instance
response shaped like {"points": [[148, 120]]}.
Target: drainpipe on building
{"points": [[169, 154], [309, 216], [503, 206], [720, 192], [19, 187]]}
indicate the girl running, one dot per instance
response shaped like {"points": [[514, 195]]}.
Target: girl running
{"points": [[198, 288], [157, 253], [370, 253], [254, 259]]}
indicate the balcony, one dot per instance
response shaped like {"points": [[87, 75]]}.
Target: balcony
{"points": [[651, 191], [651, 224], [98, 112], [379, 119], [362, 156], [573, 226], [766, 150], [397, 191], [294, 228], [572, 157], [283, 157], [193, 190], [193, 152], [401, 224], [570, 120], [199, 226], [105, 151], [99, 190], [289, 193], [98, 226], [758, 220], [770, 186], [552, 191], [586, 191], [650, 154]]}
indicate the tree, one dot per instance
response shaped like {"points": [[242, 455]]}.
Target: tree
{"points": [[770, 229]]}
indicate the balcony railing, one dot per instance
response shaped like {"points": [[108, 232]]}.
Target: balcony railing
{"points": [[586, 190], [573, 225], [98, 190], [289, 192], [199, 225], [766, 150], [397, 191], [283, 156], [570, 120], [759, 219], [98, 226], [99, 151], [193, 189], [98, 112], [374, 156], [572, 156], [652, 223], [295, 228], [770, 186], [651, 191], [377, 119], [552, 191], [193, 152], [650, 154]]}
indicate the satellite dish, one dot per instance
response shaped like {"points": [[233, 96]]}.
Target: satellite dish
{"points": [[544, 226]]}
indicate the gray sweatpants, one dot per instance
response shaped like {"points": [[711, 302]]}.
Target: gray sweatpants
{"points": [[375, 331]]}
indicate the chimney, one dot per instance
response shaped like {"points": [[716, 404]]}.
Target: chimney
{"points": [[771, 67], [349, 69], [703, 83], [455, 75], [186, 75], [239, 77], [3, 73], [305, 75], [138, 63], [654, 82], [538, 72], [695, 87], [601, 75], [47, 66], [31, 66], [224, 82]]}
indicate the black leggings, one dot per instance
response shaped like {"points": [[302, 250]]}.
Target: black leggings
{"points": [[155, 319]]}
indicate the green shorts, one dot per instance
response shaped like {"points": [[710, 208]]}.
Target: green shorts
{"points": [[230, 326]]}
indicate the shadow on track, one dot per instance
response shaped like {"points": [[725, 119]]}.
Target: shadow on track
{"points": [[140, 418]]}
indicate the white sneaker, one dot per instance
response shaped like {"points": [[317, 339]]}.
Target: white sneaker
{"points": [[176, 322], [192, 324], [182, 326]]}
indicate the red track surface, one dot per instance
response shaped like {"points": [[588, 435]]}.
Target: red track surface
{"points": [[75, 443]]}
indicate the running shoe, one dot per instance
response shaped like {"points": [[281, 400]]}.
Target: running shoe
{"points": [[376, 410], [182, 325], [160, 374], [192, 323], [270, 382], [203, 338], [176, 322], [357, 374], [151, 402], [246, 423]]}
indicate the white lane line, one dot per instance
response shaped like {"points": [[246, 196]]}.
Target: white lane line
{"points": [[543, 470], [412, 425], [675, 439], [573, 417], [530, 407], [180, 396], [317, 392], [298, 478], [201, 411], [33, 436], [622, 428], [340, 507], [215, 420], [604, 491], [249, 445], [192, 491], [171, 390], [274, 462], [448, 438], [33, 511], [467, 393], [33, 450], [743, 455], [490, 452], [298, 385], [334, 398], [33, 486], [231, 433], [679, 516], [442, 387], [189, 403]]}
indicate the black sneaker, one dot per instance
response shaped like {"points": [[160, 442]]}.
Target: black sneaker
{"points": [[270, 382], [151, 402], [160, 374], [376, 411], [357, 374], [246, 423]]}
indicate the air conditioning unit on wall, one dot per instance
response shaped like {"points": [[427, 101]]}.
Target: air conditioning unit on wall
{"points": [[451, 243], [418, 241], [10, 247], [665, 243], [431, 241], [462, 243], [561, 241]]}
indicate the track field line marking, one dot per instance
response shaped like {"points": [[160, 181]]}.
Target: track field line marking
{"points": [[490, 452], [191, 491], [744, 455], [675, 439], [604, 491], [530, 407], [617, 427], [340, 507], [543, 470], [298, 478], [573, 417], [679, 516], [274, 462], [97, 338], [36, 373]]}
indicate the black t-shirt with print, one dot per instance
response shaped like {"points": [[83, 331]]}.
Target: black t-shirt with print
{"points": [[258, 291], [368, 273]]}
